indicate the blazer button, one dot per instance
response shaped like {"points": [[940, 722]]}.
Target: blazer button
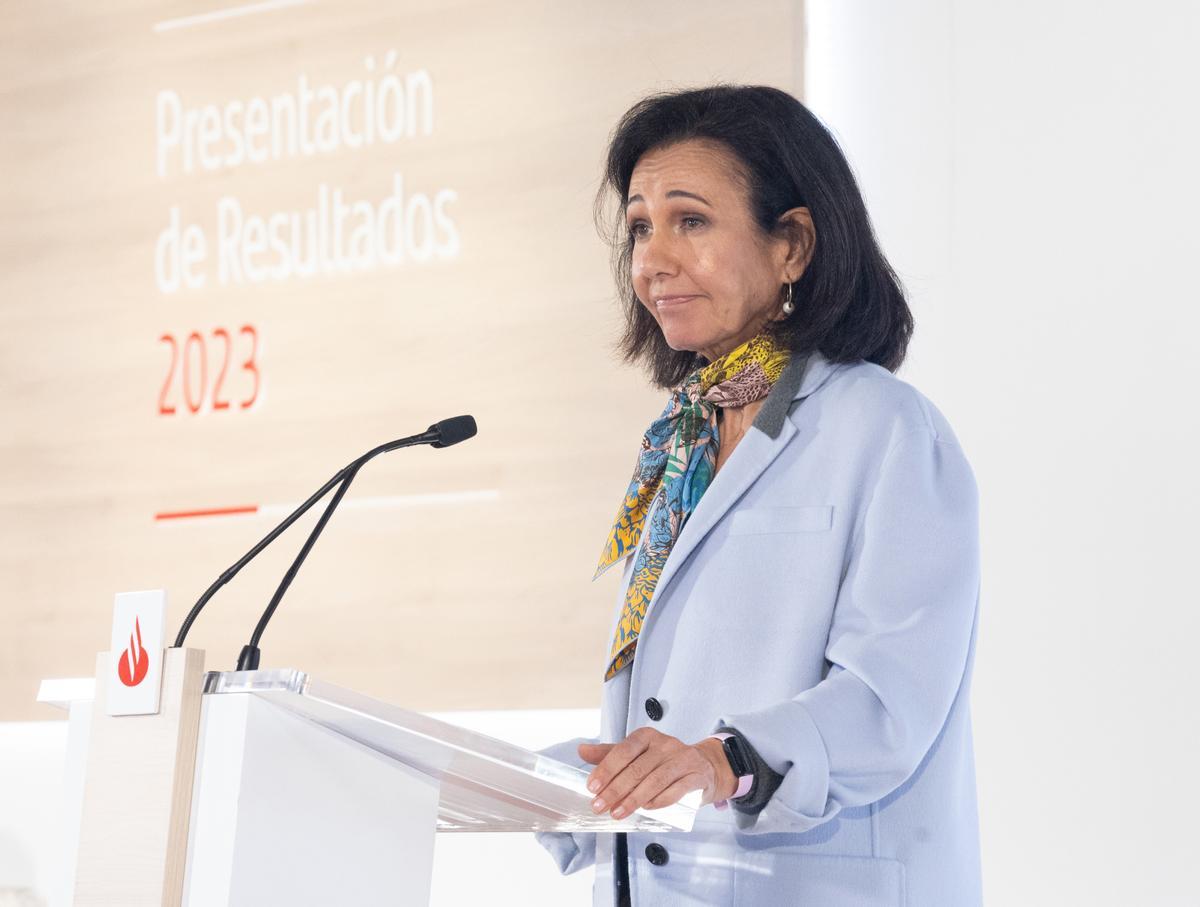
{"points": [[657, 854], [654, 709]]}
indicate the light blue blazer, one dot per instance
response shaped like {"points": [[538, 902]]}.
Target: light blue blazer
{"points": [[822, 599]]}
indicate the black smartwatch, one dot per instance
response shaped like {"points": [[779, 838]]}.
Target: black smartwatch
{"points": [[739, 761]]}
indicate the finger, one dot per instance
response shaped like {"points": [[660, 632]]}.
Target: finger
{"points": [[634, 774], [665, 775], [616, 760], [594, 752], [675, 792]]}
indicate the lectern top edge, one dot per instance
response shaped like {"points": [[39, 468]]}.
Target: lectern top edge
{"points": [[486, 784]]}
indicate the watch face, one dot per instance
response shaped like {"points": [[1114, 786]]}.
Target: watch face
{"points": [[739, 761]]}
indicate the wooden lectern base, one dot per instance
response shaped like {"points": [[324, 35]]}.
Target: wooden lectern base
{"points": [[138, 791]]}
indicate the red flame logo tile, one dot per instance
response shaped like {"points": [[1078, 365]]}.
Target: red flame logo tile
{"points": [[135, 662]]}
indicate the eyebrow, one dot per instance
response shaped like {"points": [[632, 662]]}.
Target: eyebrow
{"points": [[674, 193]]}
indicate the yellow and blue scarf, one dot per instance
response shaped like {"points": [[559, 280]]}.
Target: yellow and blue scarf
{"points": [[674, 469]]}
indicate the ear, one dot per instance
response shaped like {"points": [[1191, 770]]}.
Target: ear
{"points": [[798, 238]]}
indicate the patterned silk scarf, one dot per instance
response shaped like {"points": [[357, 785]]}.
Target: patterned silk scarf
{"points": [[675, 466]]}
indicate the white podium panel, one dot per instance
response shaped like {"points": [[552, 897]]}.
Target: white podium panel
{"points": [[486, 784], [285, 811]]}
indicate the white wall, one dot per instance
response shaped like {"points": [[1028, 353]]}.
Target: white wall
{"points": [[32, 759], [1031, 168]]}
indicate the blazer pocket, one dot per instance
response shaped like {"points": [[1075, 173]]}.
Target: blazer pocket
{"points": [[772, 520]]}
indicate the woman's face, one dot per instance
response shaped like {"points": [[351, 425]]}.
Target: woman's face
{"points": [[700, 263]]}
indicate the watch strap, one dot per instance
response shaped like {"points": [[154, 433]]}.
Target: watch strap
{"points": [[745, 781]]}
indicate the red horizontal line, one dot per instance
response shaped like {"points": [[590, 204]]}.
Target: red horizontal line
{"points": [[213, 511]]}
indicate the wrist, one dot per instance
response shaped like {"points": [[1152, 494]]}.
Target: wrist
{"points": [[725, 783]]}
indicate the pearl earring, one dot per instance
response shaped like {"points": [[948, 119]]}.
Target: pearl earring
{"points": [[788, 305]]}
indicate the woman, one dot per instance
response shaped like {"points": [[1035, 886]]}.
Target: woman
{"points": [[799, 541]]}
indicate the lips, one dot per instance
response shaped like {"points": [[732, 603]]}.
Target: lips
{"points": [[665, 302]]}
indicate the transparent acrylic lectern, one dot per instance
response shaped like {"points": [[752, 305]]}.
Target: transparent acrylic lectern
{"points": [[301, 792], [485, 784], [331, 797]]}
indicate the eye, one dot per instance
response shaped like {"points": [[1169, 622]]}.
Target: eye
{"points": [[691, 221], [639, 229]]}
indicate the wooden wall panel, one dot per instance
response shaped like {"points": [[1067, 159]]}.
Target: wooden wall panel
{"points": [[478, 596]]}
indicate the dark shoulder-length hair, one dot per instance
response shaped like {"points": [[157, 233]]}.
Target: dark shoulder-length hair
{"points": [[849, 302]]}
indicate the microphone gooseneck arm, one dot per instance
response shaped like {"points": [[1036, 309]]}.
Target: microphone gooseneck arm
{"points": [[441, 434], [250, 555], [250, 655]]}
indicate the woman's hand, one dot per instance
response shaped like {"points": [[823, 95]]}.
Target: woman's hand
{"points": [[649, 768]]}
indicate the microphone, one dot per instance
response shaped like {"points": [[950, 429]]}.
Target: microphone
{"points": [[441, 434], [451, 431]]}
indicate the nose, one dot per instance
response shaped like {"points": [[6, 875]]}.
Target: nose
{"points": [[655, 256]]}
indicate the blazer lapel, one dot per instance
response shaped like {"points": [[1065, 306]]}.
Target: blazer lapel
{"points": [[753, 455], [756, 451]]}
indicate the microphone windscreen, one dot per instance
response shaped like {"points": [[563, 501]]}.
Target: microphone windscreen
{"points": [[451, 431]]}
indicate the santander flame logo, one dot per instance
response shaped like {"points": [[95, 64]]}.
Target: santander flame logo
{"points": [[135, 661]]}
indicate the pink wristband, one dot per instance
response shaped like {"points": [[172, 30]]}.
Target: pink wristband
{"points": [[745, 782]]}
